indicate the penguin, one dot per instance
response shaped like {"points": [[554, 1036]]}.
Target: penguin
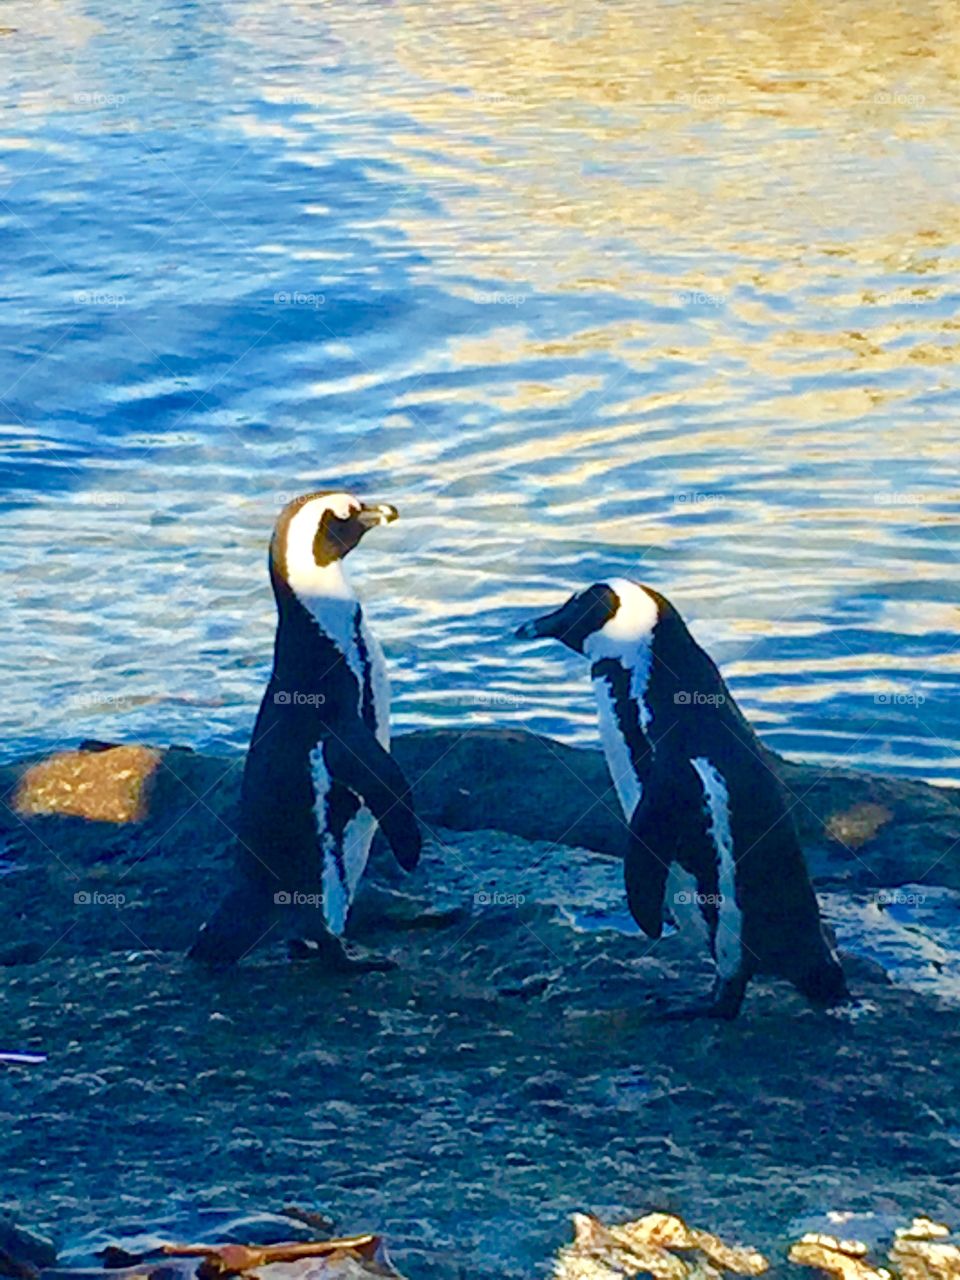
{"points": [[698, 789], [318, 777]]}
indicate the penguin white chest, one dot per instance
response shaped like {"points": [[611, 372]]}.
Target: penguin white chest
{"points": [[616, 751], [344, 857], [339, 616], [616, 748], [379, 680], [728, 944]]}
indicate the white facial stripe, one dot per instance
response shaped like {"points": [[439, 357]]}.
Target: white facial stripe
{"points": [[301, 532], [322, 589], [341, 504], [728, 945], [630, 630], [628, 637]]}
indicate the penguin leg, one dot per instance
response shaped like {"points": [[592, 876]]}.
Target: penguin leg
{"points": [[238, 926], [824, 984], [730, 984], [728, 993]]}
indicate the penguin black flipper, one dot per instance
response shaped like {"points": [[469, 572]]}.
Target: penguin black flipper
{"points": [[360, 763], [645, 871], [661, 829]]}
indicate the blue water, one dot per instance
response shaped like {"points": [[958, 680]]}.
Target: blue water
{"points": [[626, 286]]}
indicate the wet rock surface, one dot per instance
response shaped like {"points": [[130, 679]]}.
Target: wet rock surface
{"points": [[514, 1069]]}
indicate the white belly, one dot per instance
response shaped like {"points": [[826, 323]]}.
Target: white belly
{"points": [[337, 896], [379, 683], [619, 763], [342, 869], [338, 614], [728, 946]]}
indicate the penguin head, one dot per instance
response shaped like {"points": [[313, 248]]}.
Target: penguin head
{"points": [[315, 531], [612, 619]]}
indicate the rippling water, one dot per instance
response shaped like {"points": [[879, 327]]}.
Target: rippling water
{"points": [[632, 286]]}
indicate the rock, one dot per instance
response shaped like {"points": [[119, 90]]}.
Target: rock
{"points": [[919, 1258], [102, 785], [919, 1252], [22, 1249], [650, 1246], [860, 830], [844, 1258]]}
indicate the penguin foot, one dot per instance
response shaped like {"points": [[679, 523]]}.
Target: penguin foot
{"points": [[725, 1002], [338, 958]]}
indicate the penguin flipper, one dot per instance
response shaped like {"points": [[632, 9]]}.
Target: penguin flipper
{"points": [[647, 867], [238, 926], [661, 826], [360, 763], [645, 870]]}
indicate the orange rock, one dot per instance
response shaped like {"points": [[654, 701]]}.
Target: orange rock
{"points": [[103, 786]]}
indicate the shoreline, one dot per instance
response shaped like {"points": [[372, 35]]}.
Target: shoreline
{"points": [[513, 1069], [857, 829]]}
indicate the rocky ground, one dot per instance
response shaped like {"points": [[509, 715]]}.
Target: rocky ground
{"points": [[514, 1068]]}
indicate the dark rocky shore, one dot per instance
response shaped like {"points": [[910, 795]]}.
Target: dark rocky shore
{"points": [[514, 1068]]}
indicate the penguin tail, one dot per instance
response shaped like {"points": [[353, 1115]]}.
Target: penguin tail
{"points": [[239, 925]]}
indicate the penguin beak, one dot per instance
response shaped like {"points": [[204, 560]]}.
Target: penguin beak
{"points": [[372, 514], [548, 626]]}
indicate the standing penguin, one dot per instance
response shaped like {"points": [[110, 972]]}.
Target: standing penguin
{"points": [[318, 776], [697, 788]]}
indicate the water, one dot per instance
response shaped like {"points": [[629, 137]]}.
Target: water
{"points": [[631, 286]]}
